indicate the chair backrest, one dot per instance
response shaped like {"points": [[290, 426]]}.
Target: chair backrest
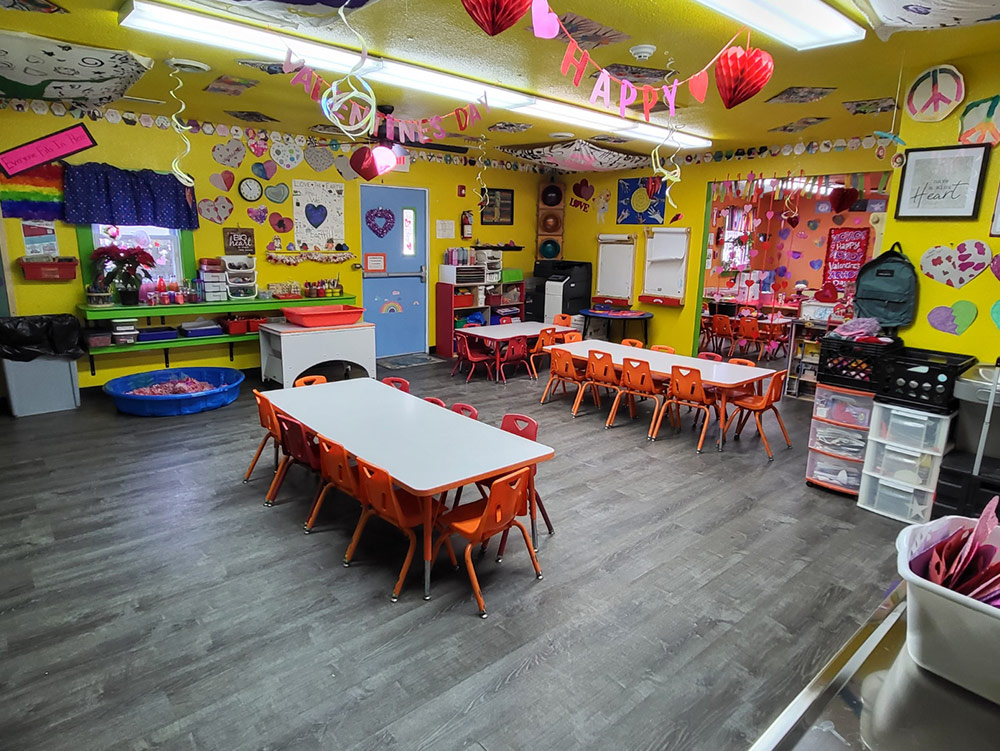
{"points": [[562, 319], [686, 384], [397, 383], [336, 467], [721, 325], [521, 425], [663, 348], [462, 347], [378, 491], [776, 388], [709, 356], [266, 414], [749, 328], [742, 361], [507, 495], [564, 366], [517, 349], [636, 376], [506, 319], [311, 380], [572, 336], [297, 441], [546, 338], [632, 343], [601, 368], [465, 409], [435, 400]]}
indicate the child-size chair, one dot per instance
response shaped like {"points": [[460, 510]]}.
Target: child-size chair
{"points": [[298, 447], [709, 356], [748, 334], [466, 410], [571, 336], [273, 433], [506, 320], [546, 338], [397, 383], [466, 354], [637, 380], [435, 400], [600, 374], [757, 405], [632, 343], [563, 370], [663, 348], [722, 330], [686, 390], [515, 353], [336, 471], [562, 319], [309, 380]]}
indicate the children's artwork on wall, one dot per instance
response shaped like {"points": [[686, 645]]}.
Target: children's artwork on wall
{"points": [[846, 253], [603, 205], [956, 266], [889, 16], [257, 214], [318, 211], [286, 155], [589, 35], [578, 156], [251, 116], [935, 94], [995, 314], [222, 180], [265, 66], [870, 106], [954, 319], [264, 170], [801, 124], [229, 154], [636, 204], [280, 223], [39, 68], [380, 221], [505, 126], [230, 85], [320, 158], [32, 6], [33, 194], [217, 210], [980, 122], [277, 193], [801, 95], [637, 74], [257, 141]]}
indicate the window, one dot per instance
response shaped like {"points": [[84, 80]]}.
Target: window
{"points": [[163, 244], [409, 232]]}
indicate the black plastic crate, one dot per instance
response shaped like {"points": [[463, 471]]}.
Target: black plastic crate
{"points": [[853, 365], [922, 378]]}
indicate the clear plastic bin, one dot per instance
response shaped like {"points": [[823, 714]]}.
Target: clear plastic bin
{"points": [[836, 439], [833, 472], [895, 500], [906, 466], [843, 406], [911, 428]]}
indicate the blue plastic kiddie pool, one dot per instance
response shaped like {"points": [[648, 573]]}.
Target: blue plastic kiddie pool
{"points": [[226, 381]]}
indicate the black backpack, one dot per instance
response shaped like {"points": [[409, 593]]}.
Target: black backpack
{"points": [[887, 289]]}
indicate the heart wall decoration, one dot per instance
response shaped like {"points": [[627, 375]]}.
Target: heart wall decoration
{"points": [[277, 193], [315, 214], [264, 170], [319, 158], [280, 223], [995, 314], [957, 266], [496, 16], [955, 319], [286, 155], [380, 221], [216, 211], [257, 214], [741, 73], [229, 154], [222, 180]]}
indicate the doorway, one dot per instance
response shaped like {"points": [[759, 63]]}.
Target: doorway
{"points": [[394, 240]]}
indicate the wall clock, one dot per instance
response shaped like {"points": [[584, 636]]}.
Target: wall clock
{"points": [[250, 189]]}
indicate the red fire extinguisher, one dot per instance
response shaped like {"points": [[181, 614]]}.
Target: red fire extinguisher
{"points": [[466, 225]]}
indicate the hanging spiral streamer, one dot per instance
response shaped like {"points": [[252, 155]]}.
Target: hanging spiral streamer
{"points": [[181, 129], [334, 99], [671, 176], [483, 192]]}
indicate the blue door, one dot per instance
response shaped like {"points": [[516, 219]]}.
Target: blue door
{"points": [[394, 225]]}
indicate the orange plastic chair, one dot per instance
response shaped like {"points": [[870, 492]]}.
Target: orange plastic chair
{"points": [[397, 383], [663, 348], [722, 329], [562, 319], [632, 343], [474, 357], [310, 380], [748, 334], [571, 336], [506, 319], [546, 338], [465, 409], [753, 388], [600, 373], [298, 447], [394, 505], [336, 471], [516, 353], [267, 421], [637, 380], [757, 405], [686, 390], [709, 356], [477, 522], [705, 339], [563, 370], [435, 400]]}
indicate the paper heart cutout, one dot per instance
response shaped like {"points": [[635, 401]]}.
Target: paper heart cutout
{"points": [[544, 23], [995, 312], [497, 16], [315, 214], [380, 221], [781, 271], [257, 143], [731, 282], [784, 233], [275, 243], [278, 193], [838, 220], [796, 255], [584, 190], [319, 158], [757, 222], [222, 180], [264, 170], [698, 86], [780, 285], [813, 224], [742, 73], [215, 211], [802, 235], [287, 155], [676, 218], [363, 163], [769, 215], [229, 154], [781, 246], [793, 220], [995, 266], [749, 282], [257, 214], [754, 252], [959, 266], [841, 199], [816, 264], [280, 223], [819, 242], [955, 319]]}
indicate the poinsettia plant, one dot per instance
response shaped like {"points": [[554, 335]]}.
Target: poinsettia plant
{"points": [[127, 266]]}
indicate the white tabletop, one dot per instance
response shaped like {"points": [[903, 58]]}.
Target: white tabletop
{"points": [[425, 448], [503, 331], [713, 373], [294, 328]]}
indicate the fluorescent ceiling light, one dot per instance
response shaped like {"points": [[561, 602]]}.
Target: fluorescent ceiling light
{"points": [[802, 24], [422, 79], [656, 134]]}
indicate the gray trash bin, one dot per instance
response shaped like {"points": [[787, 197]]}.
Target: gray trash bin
{"points": [[45, 384], [973, 390]]}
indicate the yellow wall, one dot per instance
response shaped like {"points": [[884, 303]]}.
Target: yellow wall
{"points": [[135, 147]]}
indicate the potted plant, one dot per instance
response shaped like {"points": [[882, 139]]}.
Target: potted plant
{"points": [[124, 266]]}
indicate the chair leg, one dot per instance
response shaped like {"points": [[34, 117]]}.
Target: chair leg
{"points": [[458, 497], [458, 365], [579, 398], [256, 456], [445, 541], [474, 581], [502, 374], [657, 407], [406, 563], [527, 544], [548, 386], [471, 371], [760, 429], [366, 514], [781, 424], [704, 430], [276, 446], [503, 545], [316, 507], [595, 394], [279, 477], [614, 411]]}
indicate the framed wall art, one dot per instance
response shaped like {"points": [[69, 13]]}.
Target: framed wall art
{"points": [[499, 208], [942, 183]]}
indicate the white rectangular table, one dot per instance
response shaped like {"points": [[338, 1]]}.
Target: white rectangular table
{"points": [[288, 350], [504, 332], [425, 449]]}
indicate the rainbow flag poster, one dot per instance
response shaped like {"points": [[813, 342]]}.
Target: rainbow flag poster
{"points": [[34, 194]]}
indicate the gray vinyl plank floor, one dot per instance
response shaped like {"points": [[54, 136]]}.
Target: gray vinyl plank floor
{"points": [[149, 601]]}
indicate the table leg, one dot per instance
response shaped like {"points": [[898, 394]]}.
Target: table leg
{"points": [[428, 502], [645, 331], [586, 325], [722, 417], [534, 511]]}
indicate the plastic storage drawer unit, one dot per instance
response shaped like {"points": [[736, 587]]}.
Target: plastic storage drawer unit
{"points": [[895, 500], [908, 466], [911, 428], [833, 472], [843, 406], [835, 439]]}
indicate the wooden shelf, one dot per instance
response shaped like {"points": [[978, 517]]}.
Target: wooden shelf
{"points": [[92, 313]]}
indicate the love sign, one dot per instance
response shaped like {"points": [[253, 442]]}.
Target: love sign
{"points": [[46, 149]]}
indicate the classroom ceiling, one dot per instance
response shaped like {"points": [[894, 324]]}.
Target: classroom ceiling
{"points": [[440, 34]]}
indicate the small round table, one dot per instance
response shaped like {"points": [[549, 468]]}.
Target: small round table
{"points": [[617, 315]]}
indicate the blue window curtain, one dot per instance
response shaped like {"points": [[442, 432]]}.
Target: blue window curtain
{"points": [[101, 194]]}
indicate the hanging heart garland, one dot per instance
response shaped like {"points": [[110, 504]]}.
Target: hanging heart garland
{"points": [[741, 73], [496, 16], [373, 217]]}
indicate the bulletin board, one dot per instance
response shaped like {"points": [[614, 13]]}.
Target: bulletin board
{"points": [[665, 275], [615, 268]]}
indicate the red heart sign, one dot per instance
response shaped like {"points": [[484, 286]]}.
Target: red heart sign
{"points": [[363, 163], [841, 199], [749, 282], [584, 190], [741, 74], [698, 85], [496, 16]]}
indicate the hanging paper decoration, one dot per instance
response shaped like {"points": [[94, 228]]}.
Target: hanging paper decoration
{"points": [[286, 155], [380, 221], [369, 163], [935, 94], [229, 154], [698, 85], [292, 258], [496, 16], [889, 16], [741, 73], [544, 23], [957, 266], [578, 156], [320, 158], [954, 319], [981, 122], [841, 199]]}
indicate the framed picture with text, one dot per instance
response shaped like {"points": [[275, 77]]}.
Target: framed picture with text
{"points": [[995, 226], [942, 183], [499, 208]]}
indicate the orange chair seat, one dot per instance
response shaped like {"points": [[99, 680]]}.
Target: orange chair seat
{"points": [[465, 518], [410, 507], [751, 401]]}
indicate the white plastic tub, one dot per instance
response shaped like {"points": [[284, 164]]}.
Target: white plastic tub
{"points": [[949, 634]]}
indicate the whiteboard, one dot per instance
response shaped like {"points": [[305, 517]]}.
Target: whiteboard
{"points": [[615, 266], [666, 262]]}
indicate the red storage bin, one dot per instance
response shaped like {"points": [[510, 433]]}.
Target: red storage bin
{"points": [[48, 271], [464, 301], [234, 325], [254, 324], [324, 315]]}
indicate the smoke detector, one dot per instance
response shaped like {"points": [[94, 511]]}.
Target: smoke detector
{"points": [[182, 65], [643, 52]]}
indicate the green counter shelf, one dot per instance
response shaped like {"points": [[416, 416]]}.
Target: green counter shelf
{"points": [[98, 313]]}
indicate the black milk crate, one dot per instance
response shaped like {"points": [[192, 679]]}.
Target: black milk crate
{"points": [[853, 365], [923, 379]]}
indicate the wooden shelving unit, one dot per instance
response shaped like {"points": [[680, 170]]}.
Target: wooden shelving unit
{"points": [[445, 294]]}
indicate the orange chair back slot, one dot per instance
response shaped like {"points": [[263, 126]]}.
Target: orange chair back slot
{"points": [[336, 467], [663, 348], [466, 410], [562, 319], [709, 356], [632, 343], [572, 336], [686, 384], [310, 380], [379, 493], [507, 494], [722, 326], [601, 369], [564, 366], [636, 376], [398, 383], [265, 414]]}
